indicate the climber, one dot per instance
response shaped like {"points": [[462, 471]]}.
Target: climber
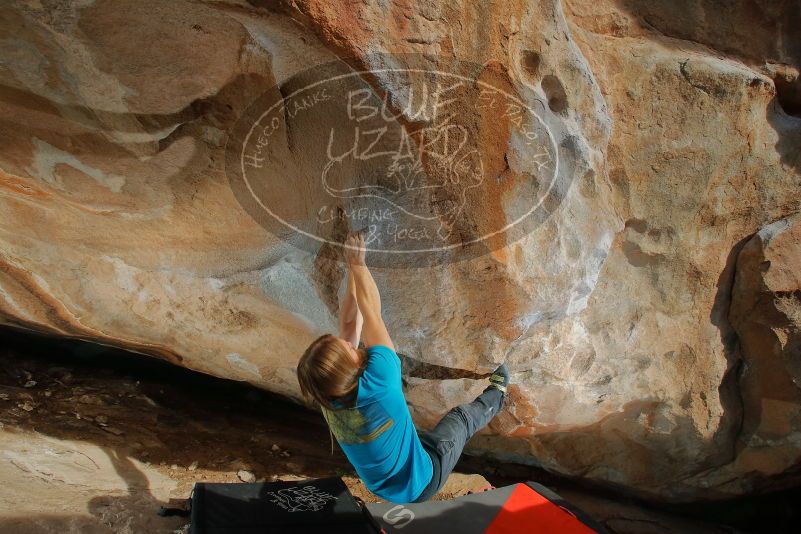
{"points": [[359, 393]]}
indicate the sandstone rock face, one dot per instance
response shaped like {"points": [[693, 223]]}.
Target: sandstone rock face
{"points": [[677, 139], [766, 313]]}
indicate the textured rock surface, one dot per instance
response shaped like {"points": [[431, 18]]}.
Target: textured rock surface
{"points": [[118, 224], [80, 486], [766, 313]]}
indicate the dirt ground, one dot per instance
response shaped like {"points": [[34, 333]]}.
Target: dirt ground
{"points": [[95, 440]]}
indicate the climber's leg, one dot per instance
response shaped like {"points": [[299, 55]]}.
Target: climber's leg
{"points": [[448, 438]]}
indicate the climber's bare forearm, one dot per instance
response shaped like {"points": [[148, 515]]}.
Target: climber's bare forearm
{"points": [[368, 299], [367, 296], [350, 317], [349, 309]]}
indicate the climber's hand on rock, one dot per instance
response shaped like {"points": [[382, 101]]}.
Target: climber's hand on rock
{"points": [[354, 248]]}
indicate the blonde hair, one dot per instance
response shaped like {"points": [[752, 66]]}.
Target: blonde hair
{"points": [[327, 372]]}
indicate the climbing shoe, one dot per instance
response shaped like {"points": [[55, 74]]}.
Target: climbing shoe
{"points": [[500, 378]]}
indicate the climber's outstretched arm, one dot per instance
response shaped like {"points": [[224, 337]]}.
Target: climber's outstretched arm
{"points": [[368, 299], [350, 317]]}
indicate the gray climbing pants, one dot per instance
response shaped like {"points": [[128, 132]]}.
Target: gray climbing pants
{"points": [[445, 442]]}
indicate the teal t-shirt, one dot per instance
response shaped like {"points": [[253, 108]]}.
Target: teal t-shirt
{"points": [[378, 435]]}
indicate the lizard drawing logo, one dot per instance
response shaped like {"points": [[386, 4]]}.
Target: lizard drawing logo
{"points": [[436, 165]]}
